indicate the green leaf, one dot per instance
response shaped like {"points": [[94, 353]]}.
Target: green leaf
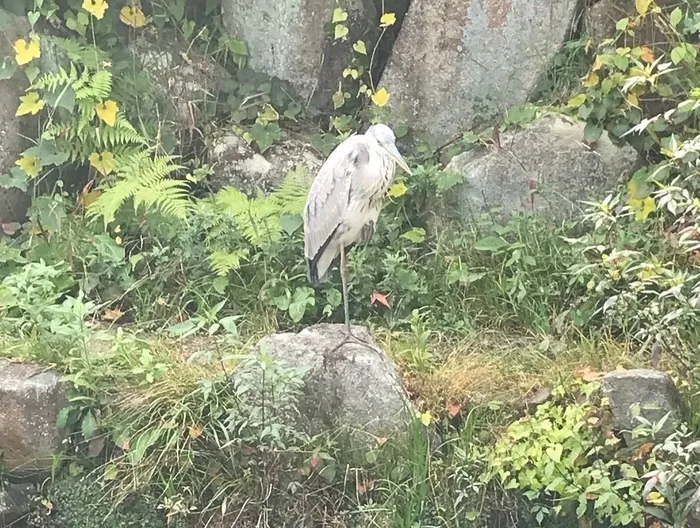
{"points": [[177, 9], [89, 425], [676, 16], [622, 24], [491, 244], [291, 222], [339, 15], [417, 235], [678, 53], [229, 324], [592, 132], [8, 67], [183, 328], [64, 416], [17, 178], [445, 180], [576, 101]]}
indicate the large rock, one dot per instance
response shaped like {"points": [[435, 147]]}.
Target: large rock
{"points": [[693, 519], [31, 397], [544, 168], [13, 202], [236, 164], [293, 40], [353, 386], [601, 19], [650, 392], [456, 62]]}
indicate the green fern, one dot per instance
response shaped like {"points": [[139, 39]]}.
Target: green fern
{"points": [[143, 179], [259, 218], [222, 262]]}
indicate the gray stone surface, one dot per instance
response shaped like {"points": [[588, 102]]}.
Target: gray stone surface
{"points": [[550, 153], [693, 519], [653, 391], [14, 502], [13, 202], [289, 39], [235, 163], [354, 386], [31, 397], [458, 62]]}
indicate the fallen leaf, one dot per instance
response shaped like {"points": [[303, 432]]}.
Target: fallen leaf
{"points": [[643, 451], [380, 441], [388, 19], [96, 8], [375, 296], [365, 486], [30, 104], [453, 407], [26, 52], [588, 374], [132, 16], [315, 461], [103, 162], [107, 111], [196, 430], [112, 315], [381, 97]]}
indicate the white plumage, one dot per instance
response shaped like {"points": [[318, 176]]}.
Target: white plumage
{"points": [[346, 198]]}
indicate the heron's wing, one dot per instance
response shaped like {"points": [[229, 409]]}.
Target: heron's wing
{"points": [[330, 192]]}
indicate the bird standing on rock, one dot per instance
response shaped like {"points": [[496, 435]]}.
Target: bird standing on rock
{"points": [[345, 200]]}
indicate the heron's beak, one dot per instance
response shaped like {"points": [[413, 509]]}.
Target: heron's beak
{"points": [[394, 153]]}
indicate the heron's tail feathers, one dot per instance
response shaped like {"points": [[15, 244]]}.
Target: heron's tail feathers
{"points": [[313, 272]]}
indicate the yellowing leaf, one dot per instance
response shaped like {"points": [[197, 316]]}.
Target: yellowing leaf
{"points": [[196, 430], [107, 111], [647, 54], [90, 197], [597, 65], [381, 97], [103, 163], [643, 6], [632, 99], [388, 19], [30, 165], [360, 47], [30, 104], [642, 207], [426, 418], [591, 80], [339, 15], [26, 52], [341, 31], [132, 16], [351, 72], [655, 497], [576, 101], [397, 190], [96, 8]]}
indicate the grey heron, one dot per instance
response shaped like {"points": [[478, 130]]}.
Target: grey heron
{"points": [[345, 200]]}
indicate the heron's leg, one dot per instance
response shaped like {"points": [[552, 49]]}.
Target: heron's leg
{"points": [[344, 280]]}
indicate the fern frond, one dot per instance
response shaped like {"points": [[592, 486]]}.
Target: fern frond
{"points": [[222, 262], [143, 178], [85, 54]]}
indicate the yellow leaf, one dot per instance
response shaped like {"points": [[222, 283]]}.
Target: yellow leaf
{"points": [[655, 497], [642, 207], [397, 190], [388, 19], [381, 97], [91, 197], [118, 240], [643, 6], [132, 16], [426, 418], [196, 430], [31, 104], [30, 165], [96, 8], [103, 163], [591, 80], [647, 54], [360, 47], [632, 99], [576, 101], [107, 111], [339, 15], [341, 31], [26, 52], [597, 65]]}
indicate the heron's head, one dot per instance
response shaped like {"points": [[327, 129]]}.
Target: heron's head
{"points": [[386, 139]]}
